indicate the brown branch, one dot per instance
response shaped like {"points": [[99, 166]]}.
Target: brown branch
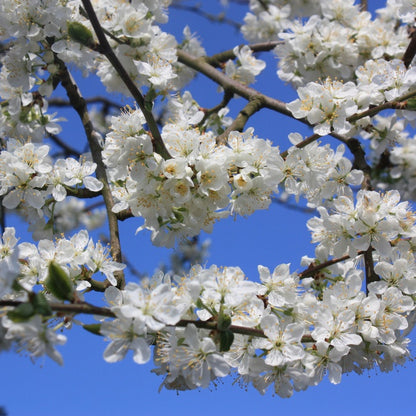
{"points": [[124, 214], [264, 5], [80, 106], [240, 121], [81, 192], [106, 49], [398, 103], [200, 65], [315, 268], [208, 112], [410, 52], [363, 5], [68, 308], [219, 58], [370, 274], [294, 207], [88, 309], [360, 161], [60, 102], [67, 150], [302, 144]]}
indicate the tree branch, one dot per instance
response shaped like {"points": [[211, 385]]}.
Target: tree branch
{"points": [[106, 49], [398, 103], [219, 58], [67, 150], [80, 106], [201, 65], [60, 102], [219, 18], [363, 5], [370, 274], [88, 309], [254, 105], [410, 52], [302, 144], [208, 112]]}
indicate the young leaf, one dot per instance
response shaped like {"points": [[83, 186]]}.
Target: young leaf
{"points": [[80, 33], [226, 340], [41, 305], [58, 283], [93, 328], [22, 313]]}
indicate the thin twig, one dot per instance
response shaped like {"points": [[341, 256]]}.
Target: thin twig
{"points": [[363, 5], [313, 269], [397, 103], [219, 58], [60, 102], [291, 206], [302, 144], [67, 150], [208, 112], [200, 65], [219, 18], [370, 274], [240, 121]]}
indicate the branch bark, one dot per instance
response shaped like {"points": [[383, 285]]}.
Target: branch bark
{"points": [[105, 49], [78, 103]]}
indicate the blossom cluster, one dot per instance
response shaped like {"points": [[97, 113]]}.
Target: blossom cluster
{"points": [[328, 105], [333, 41], [292, 336], [200, 184], [32, 182], [373, 222], [204, 182], [247, 66], [40, 37], [285, 336], [287, 329], [78, 256]]}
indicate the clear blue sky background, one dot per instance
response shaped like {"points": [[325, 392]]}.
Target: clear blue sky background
{"points": [[86, 385]]}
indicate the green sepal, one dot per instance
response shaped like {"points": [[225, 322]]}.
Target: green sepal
{"points": [[226, 340], [41, 305], [58, 283], [22, 312], [199, 304], [223, 322], [80, 33], [411, 103], [16, 286], [149, 99], [93, 328]]}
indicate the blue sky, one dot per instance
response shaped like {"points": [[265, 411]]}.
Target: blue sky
{"points": [[86, 385]]}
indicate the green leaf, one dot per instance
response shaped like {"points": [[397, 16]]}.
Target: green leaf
{"points": [[411, 103], [224, 322], [21, 313], [16, 286], [93, 328], [226, 340], [80, 33], [58, 283], [41, 305]]}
